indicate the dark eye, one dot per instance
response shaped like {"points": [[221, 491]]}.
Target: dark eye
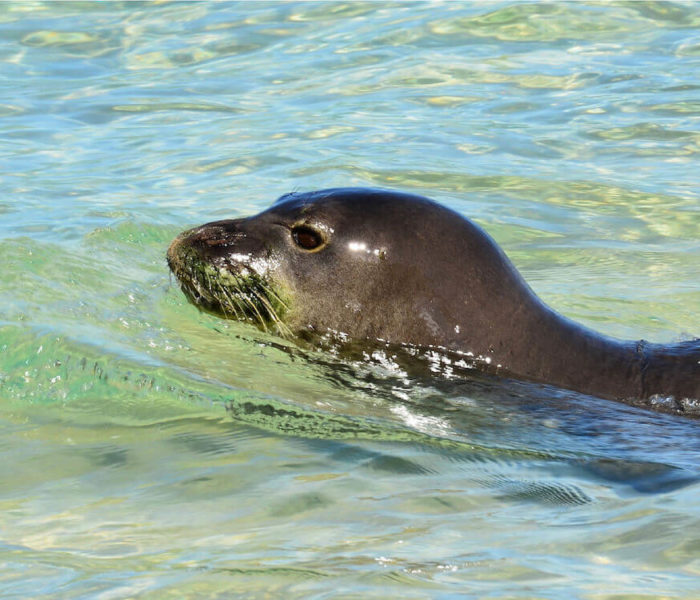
{"points": [[306, 237]]}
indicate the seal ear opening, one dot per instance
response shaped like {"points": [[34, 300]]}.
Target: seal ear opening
{"points": [[307, 237]]}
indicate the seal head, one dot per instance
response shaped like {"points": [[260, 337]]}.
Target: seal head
{"points": [[365, 263], [355, 261]]}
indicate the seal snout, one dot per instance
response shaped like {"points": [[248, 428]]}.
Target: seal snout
{"points": [[223, 268], [209, 242], [217, 233], [173, 255]]}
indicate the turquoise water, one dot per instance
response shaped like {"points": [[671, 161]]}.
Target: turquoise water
{"points": [[149, 450]]}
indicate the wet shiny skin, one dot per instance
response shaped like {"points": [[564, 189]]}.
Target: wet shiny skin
{"points": [[382, 265]]}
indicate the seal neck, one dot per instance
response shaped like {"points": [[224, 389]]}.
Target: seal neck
{"points": [[555, 350]]}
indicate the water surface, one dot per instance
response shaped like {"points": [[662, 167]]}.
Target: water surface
{"points": [[149, 450]]}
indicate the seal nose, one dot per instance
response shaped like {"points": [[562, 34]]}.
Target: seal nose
{"points": [[208, 236], [174, 250], [210, 241], [216, 233]]}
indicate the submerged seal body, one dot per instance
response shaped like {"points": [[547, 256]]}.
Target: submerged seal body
{"points": [[381, 265]]}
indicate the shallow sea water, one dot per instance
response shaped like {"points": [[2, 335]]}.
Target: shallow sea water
{"points": [[148, 450]]}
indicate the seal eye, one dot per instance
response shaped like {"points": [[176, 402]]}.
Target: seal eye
{"points": [[306, 237]]}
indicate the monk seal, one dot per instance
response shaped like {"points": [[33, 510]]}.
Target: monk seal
{"points": [[371, 264]]}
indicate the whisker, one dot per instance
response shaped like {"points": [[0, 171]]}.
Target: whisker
{"points": [[228, 304], [242, 297], [274, 317], [233, 301], [196, 285], [270, 292], [250, 303], [271, 311]]}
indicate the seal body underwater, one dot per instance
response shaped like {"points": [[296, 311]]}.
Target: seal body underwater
{"points": [[375, 264]]}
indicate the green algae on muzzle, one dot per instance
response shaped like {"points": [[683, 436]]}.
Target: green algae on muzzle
{"points": [[229, 288]]}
